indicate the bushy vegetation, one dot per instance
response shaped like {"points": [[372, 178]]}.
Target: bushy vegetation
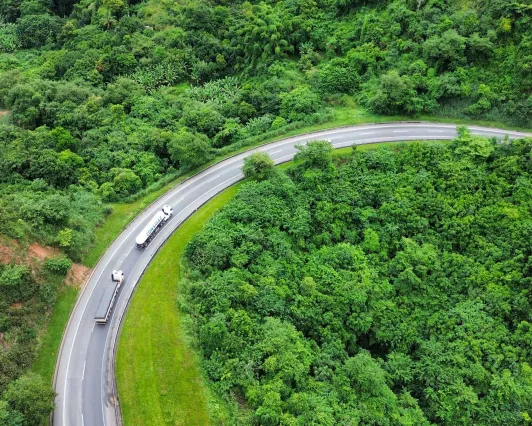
{"points": [[387, 287], [108, 96], [28, 290]]}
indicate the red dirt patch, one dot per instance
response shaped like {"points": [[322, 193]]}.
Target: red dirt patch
{"points": [[42, 253], [3, 112], [77, 275], [7, 252]]}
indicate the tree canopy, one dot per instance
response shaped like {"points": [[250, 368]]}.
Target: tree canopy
{"points": [[385, 287], [104, 100]]}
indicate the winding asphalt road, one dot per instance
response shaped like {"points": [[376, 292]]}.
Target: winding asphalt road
{"points": [[84, 381]]}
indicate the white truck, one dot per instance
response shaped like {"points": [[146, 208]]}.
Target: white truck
{"points": [[109, 296], [156, 222]]}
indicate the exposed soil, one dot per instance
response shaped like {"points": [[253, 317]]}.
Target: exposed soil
{"points": [[11, 252], [3, 112], [41, 252], [8, 250], [77, 275]]}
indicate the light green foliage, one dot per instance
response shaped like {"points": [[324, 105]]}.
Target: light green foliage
{"points": [[315, 154], [394, 94], [9, 38], [64, 237], [10, 417], [125, 181], [58, 265], [383, 287], [258, 166], [107, 11], [278, 122], [299, 104], [446, 51], [471, 145]]}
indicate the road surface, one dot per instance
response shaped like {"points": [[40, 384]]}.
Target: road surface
{"points": [[84, 380]]}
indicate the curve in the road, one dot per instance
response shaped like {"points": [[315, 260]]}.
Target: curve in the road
{"points": [[84, 378]]}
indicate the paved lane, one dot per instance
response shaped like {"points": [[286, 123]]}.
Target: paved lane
{"points": [[84, 379]]}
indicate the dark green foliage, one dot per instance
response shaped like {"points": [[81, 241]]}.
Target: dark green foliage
{"points": [[37, 30], [188, 150], [388, 288], [26, 296], [299, 103], [10, 417], [15, 283], [30, 397], [35, 209]]}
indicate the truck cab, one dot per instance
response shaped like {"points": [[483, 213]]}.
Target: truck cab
{"points": [[117, 276], [168, 211]]}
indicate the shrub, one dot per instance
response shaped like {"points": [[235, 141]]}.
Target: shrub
{"points": [[299, 103], [58, 265], [258, 166]]}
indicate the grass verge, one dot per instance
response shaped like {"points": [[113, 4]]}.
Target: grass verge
{"points": [[158, 376], [51, 340]]}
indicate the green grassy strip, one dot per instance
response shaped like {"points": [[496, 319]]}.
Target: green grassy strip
{"points": [[157, 373], [158, 376], [51, 339]]}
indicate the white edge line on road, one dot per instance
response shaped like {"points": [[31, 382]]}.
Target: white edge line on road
{"points": [[77, 328], [239, 176], [325, 133], [240, 157], [286, 156]]}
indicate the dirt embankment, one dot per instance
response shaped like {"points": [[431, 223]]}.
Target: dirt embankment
{"points": [[34, 255], [78, 275]]}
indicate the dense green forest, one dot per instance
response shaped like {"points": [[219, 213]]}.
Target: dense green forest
{"points": [[107, 99], [389, 287]]}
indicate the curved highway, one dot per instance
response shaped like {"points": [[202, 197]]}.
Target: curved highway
{"points": [[84, 379]]}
